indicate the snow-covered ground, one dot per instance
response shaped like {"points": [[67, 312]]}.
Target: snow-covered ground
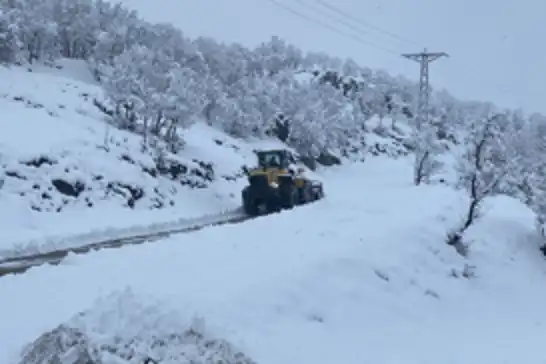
{"points": [[69, 178], [362, 276], [67, 172]]}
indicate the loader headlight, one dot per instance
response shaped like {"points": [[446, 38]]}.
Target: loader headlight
{"points": [[274, 184]]}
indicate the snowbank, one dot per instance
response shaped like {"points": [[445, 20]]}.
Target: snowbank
{"points": [[363, 275], [140, 331]]}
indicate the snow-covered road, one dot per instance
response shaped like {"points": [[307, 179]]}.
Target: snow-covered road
{"points": [[144, 234], [364, 275]]}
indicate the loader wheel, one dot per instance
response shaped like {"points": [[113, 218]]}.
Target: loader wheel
{"points": [[274, 205], [305, 195], [289, 198], [252, 209], [318, 194], [249, 205], [287, 193]]}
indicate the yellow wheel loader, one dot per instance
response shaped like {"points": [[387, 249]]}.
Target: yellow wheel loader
{"points": [[276, 184]]}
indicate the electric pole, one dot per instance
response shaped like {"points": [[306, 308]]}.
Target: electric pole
{"points": [[422, 166], [424, 59]]}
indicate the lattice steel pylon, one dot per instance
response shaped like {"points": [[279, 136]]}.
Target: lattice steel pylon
{"points": [[424, 59]]}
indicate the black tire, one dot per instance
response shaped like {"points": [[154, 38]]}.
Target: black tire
{"points": [[287, 192], [317, 191], [307, 194], [301, 195], [319, 194], [249, 205], [289, 198], [274, 205]]}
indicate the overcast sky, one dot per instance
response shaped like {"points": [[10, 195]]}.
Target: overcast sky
{"points": [[497, 47]]}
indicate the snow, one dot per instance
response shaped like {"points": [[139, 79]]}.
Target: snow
{"points": [[55, 132], [49, 113], [364, 275], [498, 32], [57, 135], [73, 69]]}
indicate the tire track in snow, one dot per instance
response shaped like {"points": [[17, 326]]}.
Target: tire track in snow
{"points": [[20, 264]]}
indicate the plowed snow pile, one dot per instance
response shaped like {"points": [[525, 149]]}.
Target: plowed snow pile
{"points": [[363, 276]]}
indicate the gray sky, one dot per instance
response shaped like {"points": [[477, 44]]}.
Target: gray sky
{"points": [[497, 47]]}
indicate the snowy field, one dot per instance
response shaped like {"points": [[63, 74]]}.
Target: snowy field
{"points": [[69, 175], [362, 276]]}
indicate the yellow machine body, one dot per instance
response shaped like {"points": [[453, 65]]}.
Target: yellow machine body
{"points": [[274, 185], [271, 172]]}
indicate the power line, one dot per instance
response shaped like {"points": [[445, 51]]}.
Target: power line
{"points": [[365, 23], [331, 28], [329, 15], [424, 58]]}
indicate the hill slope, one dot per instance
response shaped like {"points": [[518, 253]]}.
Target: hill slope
{"points": [[362, 275], [67, 170], [499, 33], [70, 174]]}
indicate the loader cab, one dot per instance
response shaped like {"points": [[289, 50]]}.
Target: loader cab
{"points": [[280, 159]]}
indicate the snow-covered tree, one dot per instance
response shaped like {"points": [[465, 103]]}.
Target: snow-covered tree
{"points": [[426, 150], [130, 85], [528, 177], [36, 29], [183, 101], [317, 115], [350, 68], [78, 22], [154, 94], [119, 30], [482, 167], [276, 55], [8, 39]]}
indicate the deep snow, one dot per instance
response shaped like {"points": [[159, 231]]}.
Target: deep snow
{"points": [[52, 131], [363, 275], [56, 137]]}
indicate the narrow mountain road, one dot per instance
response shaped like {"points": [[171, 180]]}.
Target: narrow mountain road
{"points": [[21, 264]]}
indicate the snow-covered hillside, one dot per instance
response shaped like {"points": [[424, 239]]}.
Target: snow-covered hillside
{"points": [[68, 171], [375, 33], [364, 275], [115, 125], [71, 176]]}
